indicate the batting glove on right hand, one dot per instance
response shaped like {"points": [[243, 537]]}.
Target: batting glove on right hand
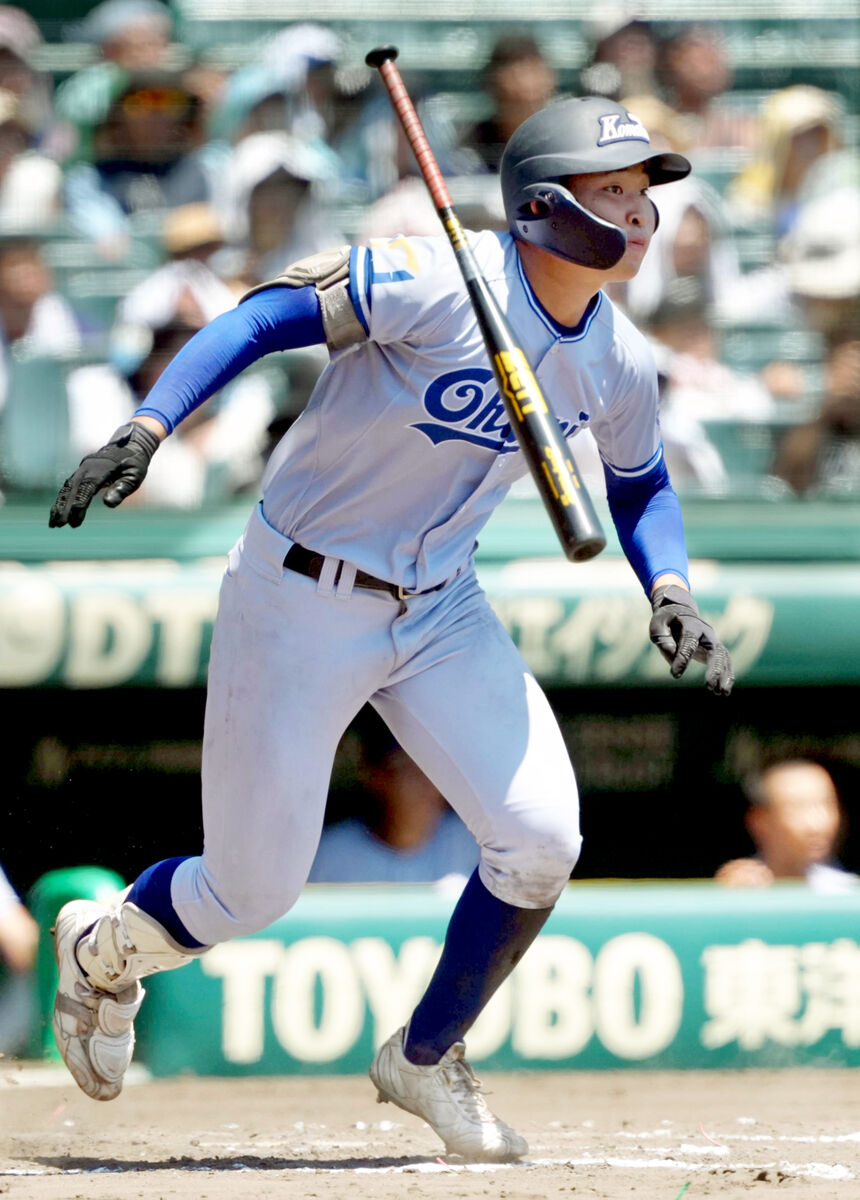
{"points": [[122, 463], [680, 634]]}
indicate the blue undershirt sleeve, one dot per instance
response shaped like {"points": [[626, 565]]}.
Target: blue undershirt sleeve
{"points": [[277, 318], [647, 517]]}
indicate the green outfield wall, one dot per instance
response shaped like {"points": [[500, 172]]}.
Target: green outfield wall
{"points": [[149, 622], [130, 597], [644, 975]]}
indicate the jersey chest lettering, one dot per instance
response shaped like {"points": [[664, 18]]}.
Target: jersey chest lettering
{"points": [[465, 405]]}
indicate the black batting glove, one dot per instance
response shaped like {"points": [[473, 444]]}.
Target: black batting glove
{"points": [[120, 466], [680, 634]]}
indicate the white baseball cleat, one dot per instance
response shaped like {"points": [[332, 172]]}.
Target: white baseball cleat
{"points": [[102, 953], [447, 1095], [93, 1027]]}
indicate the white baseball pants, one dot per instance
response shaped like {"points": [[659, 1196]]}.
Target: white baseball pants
{"points": [[292, 662]]}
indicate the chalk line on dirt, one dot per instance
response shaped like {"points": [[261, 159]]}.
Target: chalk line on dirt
{"points": [[810, 1170]]}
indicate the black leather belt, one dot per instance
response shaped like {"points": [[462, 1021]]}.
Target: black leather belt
{"points": [[306, 562]]}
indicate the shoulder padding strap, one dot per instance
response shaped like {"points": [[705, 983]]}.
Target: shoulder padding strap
{"points": [[328, 271]]}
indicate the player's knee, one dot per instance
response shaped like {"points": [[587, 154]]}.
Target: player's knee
{"points": [[532, 870]]}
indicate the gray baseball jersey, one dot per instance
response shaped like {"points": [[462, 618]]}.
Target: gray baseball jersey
{"points": [[357, 475]]}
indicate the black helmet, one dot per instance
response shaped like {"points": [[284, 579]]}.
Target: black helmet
{"points": [[575, 137]]}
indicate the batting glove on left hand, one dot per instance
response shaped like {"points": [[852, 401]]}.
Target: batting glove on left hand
{"points": [[120, 466], [680, 634]]}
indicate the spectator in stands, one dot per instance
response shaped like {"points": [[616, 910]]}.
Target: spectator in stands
{"points": [[696, 378], [20, 39], [131, 36], [795, 821], [819, 264], [822, 457], [297, 85], [694, 72], [518, 80], [278, 210], [34, 318], [406, 208], [253, 99], [798, 127], [623, 61], [19, 939], [408, 834], [147, 158], [186, 288], [813, 280], [373, 157], [696, 388], [307, 57], [134, 34], [31, 184], [694, 239]]}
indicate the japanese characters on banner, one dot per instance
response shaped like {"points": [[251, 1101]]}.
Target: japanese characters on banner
{"points": [[788, 996]]}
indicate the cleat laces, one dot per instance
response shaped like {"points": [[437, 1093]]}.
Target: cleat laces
{"points": [[467, 1090]]}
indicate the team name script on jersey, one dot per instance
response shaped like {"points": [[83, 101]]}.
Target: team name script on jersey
{"points": [[464, 407]]}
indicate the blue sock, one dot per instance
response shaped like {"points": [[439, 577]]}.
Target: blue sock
{"points": [[151, 892], [486, 938]]}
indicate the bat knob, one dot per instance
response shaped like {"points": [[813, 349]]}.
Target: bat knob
{"points": [[382, 54], [587, 548]]}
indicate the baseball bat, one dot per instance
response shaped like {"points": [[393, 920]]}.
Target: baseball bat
{"points": [[532, 420]]}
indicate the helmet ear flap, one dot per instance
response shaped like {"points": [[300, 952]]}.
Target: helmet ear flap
{"points": [[562, 226]]}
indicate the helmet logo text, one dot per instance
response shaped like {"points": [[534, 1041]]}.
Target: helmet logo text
{"points": [[613, 129]]}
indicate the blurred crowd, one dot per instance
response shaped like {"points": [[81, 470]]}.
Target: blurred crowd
{"points": [[142, 194]]}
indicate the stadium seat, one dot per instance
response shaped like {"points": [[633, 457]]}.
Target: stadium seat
{"points": [[34, 426], [747, 449], [749, 348]]}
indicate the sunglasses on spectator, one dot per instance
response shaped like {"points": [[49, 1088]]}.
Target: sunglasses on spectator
{"points": [[158, 99]]}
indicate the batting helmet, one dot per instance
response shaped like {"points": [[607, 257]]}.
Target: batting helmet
{"points": [[575, 137]]}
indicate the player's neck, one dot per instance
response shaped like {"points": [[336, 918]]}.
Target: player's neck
{"points": [[563, 288]]}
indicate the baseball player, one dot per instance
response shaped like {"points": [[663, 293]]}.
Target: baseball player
{"points": [[354, 582]]}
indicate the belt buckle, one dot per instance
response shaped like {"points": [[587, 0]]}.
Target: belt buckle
{"points": [[402, 593]]}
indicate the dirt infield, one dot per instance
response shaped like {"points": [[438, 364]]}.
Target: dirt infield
{"points": [[788, 1134]]}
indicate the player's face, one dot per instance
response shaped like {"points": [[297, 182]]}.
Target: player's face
{"points": [[622, 198]]}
